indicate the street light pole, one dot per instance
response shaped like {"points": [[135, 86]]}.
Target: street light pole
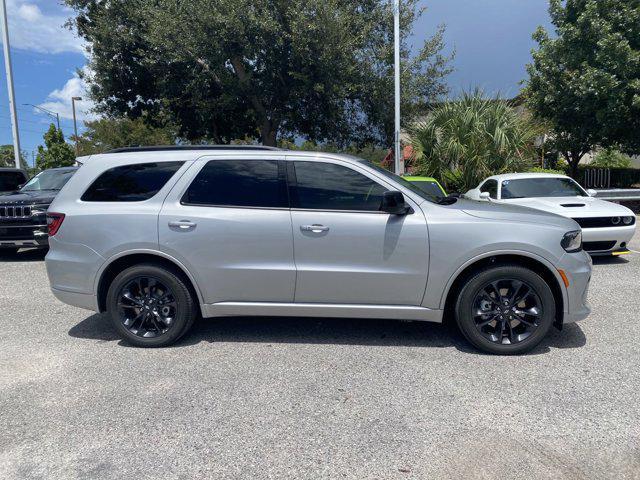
{"points": [[9, 71], [75, 124], [48, 112], [396, 52]]}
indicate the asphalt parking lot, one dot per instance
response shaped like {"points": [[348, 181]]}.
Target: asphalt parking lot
{"points": [[311, 398]]}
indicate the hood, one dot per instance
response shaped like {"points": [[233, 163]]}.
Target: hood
{"points": [[573, 207], [28, 198], [513, 213]]}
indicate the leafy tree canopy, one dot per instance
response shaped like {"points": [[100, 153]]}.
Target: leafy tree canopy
{"points": [[56, 152], [7, 158], [464, 141], [585, 80], [267, 69], [109, 133], [611, 158]]}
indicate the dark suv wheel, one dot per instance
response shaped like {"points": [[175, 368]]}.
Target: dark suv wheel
{"points": [[505, 309], [150, 306]]}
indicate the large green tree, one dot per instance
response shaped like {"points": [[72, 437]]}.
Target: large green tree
{"points": [[585, 80], [56, 152], [109, 133], [265, 69]]}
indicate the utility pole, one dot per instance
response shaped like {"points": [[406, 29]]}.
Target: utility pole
{"points": [[56, 115], [396, 48], [75, 124], [9, 71]]}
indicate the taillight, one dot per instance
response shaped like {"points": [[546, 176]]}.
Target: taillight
{"points": [[54, 222]]}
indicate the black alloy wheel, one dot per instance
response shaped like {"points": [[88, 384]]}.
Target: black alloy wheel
{"points": [[505, 309], [147, 307], [151, 305]]}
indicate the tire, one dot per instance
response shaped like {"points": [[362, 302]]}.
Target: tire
{"points": [[520, 326], [146, 302]]}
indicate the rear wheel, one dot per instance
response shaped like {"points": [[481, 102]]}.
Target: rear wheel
{"points": [[505, 309], [150, 306]]}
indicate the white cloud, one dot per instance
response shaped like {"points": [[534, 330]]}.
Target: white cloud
{"points": [[59, 100], [44, 32], [29, 12]]}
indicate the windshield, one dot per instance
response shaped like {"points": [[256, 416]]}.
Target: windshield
{"points": [[405, 183], [541, 187], [48, 180], [428, 187]]}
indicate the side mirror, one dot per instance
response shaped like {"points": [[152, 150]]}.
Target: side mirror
{"points": [[393, 203], [592, 192], [485, 196]]}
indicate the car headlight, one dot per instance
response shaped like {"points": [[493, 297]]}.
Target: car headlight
{"points": [[572, 241], [627, 220]]}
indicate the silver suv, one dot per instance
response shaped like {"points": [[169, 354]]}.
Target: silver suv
{"points": [[157, 237]]}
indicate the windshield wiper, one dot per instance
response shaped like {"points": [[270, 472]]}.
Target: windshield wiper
{"points": [[448, 200]]}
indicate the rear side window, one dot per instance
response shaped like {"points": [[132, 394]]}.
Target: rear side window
{"points": [[239, 183], [327, 186], [131, 183]]}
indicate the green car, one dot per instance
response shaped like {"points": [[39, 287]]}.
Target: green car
{"points": [[428, 185]]}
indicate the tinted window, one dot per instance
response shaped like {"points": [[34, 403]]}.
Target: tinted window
{"points": [[131, 183], [326, 186], [541, 187], [48, 180], [10, 181], [490, 186], [239, 183]]}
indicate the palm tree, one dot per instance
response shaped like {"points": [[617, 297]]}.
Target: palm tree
{"points": [[466, 140]]}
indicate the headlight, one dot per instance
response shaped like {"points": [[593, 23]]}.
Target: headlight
{"points": [[627, 220], [572, 241]]}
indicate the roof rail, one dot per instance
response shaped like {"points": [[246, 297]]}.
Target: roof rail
{"points": [[165, 148]]}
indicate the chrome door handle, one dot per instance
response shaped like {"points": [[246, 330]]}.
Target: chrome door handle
{"points": [[183, 225], [315, 228]]}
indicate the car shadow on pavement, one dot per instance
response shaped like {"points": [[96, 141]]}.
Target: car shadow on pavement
{"points": [[31, 255], [333, 331], [609, 260]]}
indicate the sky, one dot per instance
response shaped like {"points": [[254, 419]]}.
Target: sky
{"points": [[491, 38]]}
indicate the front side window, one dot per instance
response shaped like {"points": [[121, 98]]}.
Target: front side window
{"points": [[327, 186], [131, 183], [11, 181], [490, 186], [239, 183], [541, 187]]}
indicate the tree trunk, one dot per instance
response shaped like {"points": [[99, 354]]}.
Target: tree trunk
{"points": [[269, 135], [573, 159]]}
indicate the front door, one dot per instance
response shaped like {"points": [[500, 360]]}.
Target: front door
{"points": [[228, 221], [346, 250]]}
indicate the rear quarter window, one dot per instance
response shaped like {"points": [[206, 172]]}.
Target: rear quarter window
{"points": [[131, 183]]}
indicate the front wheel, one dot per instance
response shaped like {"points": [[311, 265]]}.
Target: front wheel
{"points": [[505, 309], [150, 306]]}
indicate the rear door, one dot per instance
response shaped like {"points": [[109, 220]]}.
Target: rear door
{"points": [[228, 221], [347, 251]]}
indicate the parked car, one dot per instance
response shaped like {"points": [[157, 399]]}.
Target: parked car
{"points": [[428, 185], [23, 221], [157, 237], [11, 179], [607, 227]]}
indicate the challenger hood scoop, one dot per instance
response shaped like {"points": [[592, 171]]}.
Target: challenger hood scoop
{"points": [[569, 205]]}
